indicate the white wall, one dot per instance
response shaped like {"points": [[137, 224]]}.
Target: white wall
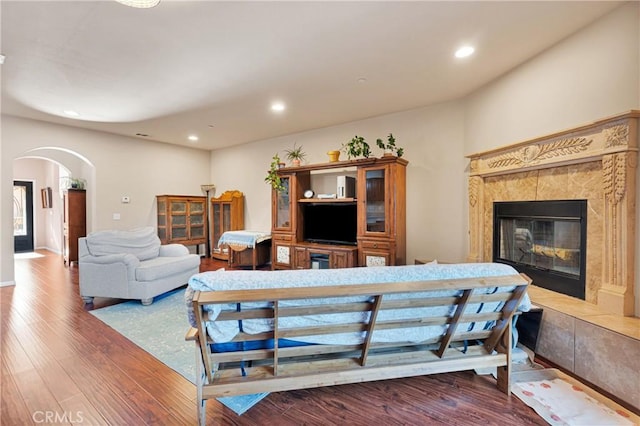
{"points": [[436, 184], [114, 166]]}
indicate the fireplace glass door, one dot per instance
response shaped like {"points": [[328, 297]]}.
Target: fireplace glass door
{"points": [[545, 240], [550, 244]]}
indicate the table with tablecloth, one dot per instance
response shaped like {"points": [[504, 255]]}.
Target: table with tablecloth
{"points": [[245, 245]]}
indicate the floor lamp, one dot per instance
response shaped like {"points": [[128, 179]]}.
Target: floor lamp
{"points": [[206, 188]]}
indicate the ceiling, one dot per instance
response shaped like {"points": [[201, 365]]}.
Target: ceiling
{"points": [[213, 68]]}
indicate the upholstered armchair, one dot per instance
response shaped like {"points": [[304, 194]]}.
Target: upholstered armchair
{"points": [[132, 265]]}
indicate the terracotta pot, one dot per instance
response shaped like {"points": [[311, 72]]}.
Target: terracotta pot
{"points": [[333, 156]]}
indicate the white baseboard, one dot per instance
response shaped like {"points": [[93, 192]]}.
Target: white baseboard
{"points": [[50, 249], [7, 283]]}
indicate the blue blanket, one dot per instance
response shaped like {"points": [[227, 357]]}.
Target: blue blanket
{"points": [[225, 331]]}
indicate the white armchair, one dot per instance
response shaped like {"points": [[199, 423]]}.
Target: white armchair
{"points": [[132, 265]]}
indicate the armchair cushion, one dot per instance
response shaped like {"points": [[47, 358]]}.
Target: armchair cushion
{"points": [[141, 242], [163, 266]]}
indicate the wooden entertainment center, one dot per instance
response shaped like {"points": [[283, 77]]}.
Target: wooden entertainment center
{"points": [[370, 226]]}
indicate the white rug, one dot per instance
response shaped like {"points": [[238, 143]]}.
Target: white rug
{"points": [[562, 400], [160, 329]]}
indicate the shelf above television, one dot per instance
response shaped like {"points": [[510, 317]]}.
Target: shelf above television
{"points": [[326, 200]]}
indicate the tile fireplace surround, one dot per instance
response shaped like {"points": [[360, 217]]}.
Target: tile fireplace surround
{"points": [[596, 162]]}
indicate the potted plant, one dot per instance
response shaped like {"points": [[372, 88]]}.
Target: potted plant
{"points": [[69, 182], [272, 177], [390, 147], [295, 155], [357, 147], [333, 156]]}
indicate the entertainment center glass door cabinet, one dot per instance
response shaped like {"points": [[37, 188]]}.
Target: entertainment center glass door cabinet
{"points": [[381, 211], [381, 194], [181, 219], [227, 214]]}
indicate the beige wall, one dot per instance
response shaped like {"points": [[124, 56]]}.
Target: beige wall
{"points": [[114, 166], [589, 76], [436, 183]]}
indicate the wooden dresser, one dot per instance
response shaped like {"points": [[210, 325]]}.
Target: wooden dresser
{"points": [[74, 223]]}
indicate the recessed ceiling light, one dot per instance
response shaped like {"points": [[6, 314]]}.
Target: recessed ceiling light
{"points": [[71, 113], [362, 80], [465, 51], [193, 138], [277, 107]]}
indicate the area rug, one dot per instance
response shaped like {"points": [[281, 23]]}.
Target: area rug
{"points": [[160, 329], [562, 400]]}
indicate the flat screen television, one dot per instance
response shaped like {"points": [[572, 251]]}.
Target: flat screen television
{"points": [[330, 223]]}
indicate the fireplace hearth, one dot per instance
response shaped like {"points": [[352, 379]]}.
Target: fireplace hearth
{"points": [[545, 240]]}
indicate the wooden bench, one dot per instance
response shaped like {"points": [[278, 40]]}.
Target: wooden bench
{"points": [[287, 368]]}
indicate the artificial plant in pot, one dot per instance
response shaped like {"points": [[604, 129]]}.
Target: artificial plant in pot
{"points": [[390, 146], [272, 177], [295, 155], [357, 147]]}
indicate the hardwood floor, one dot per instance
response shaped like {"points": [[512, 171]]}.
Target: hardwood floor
{"points": [[61, 365]]}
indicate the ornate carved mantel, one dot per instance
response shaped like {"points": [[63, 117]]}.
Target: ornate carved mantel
{"points": [[596, 162]]}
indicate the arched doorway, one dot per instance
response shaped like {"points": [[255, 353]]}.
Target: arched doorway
{"points": [[50, 168]]}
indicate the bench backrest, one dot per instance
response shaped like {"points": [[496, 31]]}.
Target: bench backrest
{"points": [[372, 299]]}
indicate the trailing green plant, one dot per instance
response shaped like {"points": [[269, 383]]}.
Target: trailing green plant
{"points": [[272, 177], [357, 147], [295, 153], [390, 146]]}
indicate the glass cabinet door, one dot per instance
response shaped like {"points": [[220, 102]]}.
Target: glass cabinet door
{"points": [[283, 206], [376, 214], [226, 217], [178, 220], [196, 219], [217, 226]]}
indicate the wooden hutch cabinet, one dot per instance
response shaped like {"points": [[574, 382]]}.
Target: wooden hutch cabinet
{"points": [[182, 219], [318, 232], [74, 223], [227, 214]]}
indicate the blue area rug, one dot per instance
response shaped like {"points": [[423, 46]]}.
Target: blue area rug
{"points": [[160, 329]]}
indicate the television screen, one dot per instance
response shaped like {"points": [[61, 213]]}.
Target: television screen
{"points": [[330, 223]]}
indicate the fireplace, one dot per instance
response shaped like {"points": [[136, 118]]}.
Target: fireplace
{"points": [[596, 162], [545, 240]]}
